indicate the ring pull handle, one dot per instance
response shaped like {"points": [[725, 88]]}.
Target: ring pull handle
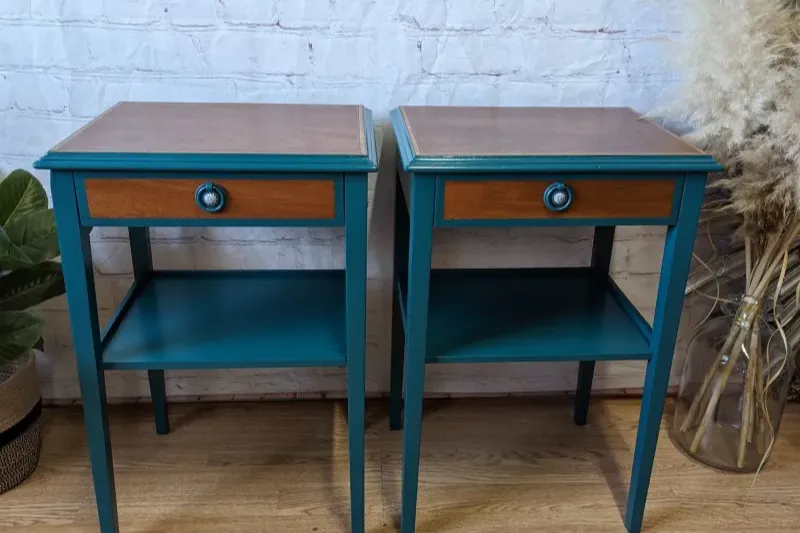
{"points": [[558, 197], [210, 197]]}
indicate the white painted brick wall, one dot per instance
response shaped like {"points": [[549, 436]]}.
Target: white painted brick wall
{"points": [[64, 61]]}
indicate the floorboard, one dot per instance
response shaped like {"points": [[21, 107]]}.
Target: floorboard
{"points": [[488, 465]]}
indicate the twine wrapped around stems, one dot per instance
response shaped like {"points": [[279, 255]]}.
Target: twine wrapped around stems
{"points": [[765, 273]]}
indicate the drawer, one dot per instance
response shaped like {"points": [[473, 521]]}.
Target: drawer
{"points": [[171, 200], [623, 201]]}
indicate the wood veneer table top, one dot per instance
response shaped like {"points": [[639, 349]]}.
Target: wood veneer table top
{"points": [[537, 131], [223, 128]]}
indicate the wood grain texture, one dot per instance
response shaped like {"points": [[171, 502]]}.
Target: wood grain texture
{"points": [[487, 466], [491, 131], [520, 199], [175, 198], [194, 128]]}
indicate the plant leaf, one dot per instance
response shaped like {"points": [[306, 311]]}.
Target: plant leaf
{"points": [[26, 287], [35, 235], [11, 257], [20, 194], [19, 332]]}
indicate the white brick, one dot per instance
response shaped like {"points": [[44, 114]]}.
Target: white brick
{"points": [[89, 97], [577, 93], [38, 92], [15, 48], [362, 15], [428, 15], [618, 15], [523, 13], [15, 9], [585, 15], [32, 136], [371, 93], [67, 10], [258, 53], [82, 48], [641, 95], [46, 47], [133, 11], [469, 15], [299, 14], [381, 55], [651, 57], [249, 12], [5, 92], [473, 54], [197, 13], [573, 56], [649, 15]]}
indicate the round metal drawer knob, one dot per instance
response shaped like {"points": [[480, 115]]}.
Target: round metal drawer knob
{"points": [[557, 197], [210, 197]]}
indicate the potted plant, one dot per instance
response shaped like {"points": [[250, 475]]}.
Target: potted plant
{"points": [[28, 276]]}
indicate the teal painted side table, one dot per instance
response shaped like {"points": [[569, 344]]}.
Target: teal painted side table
{"points": [[473, 167], [157, 164]]}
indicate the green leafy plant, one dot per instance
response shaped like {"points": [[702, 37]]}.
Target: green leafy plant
{"points": [[28, 274]]}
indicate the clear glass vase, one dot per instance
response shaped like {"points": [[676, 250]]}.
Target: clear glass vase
{"points": [[733, 390]]}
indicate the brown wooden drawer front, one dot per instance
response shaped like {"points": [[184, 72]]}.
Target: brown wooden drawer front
{"points": [[592, 199], [134, 198]]}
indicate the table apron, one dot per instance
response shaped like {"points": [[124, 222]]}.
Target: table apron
{"points": [[610, 199], [131, 199]]}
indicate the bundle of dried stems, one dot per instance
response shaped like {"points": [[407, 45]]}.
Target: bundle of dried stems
{"points": [[740, 95]]}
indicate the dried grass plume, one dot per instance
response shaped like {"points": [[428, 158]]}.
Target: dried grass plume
{"points": [[741, 96]]}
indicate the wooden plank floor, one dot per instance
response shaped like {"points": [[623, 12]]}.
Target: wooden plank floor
{"points": [[488, 465]]}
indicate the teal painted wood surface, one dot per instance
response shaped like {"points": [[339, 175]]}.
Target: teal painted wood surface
{"points": [[556, 163], [517, 315], [88, 220], [232, 319], [417, 309], [537, 315], [602, 248], [669, 303], [356, 315], [213, 319], [76, 259], [400, 273], [142, 260]]}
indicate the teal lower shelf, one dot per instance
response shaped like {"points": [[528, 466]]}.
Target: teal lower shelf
{"points": [[516, 315], [230, 319]]}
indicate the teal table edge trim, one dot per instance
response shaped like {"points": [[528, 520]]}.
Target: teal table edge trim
{"points": [[372, 148], [215, 162], [560, 163], [207, 162]]}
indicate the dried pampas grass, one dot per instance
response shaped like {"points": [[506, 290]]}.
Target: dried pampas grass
{"points": [[740, 95]]}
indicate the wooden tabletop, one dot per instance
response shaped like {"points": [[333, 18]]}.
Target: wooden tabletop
{"points": [[220, 136], [185, 128], [521, 131], [539, 139]]}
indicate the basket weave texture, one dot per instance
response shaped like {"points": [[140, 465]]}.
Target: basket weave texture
{"points": [[20, 422]]}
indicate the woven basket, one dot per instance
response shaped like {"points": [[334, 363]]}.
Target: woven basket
{"points": [[20, 422]]}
